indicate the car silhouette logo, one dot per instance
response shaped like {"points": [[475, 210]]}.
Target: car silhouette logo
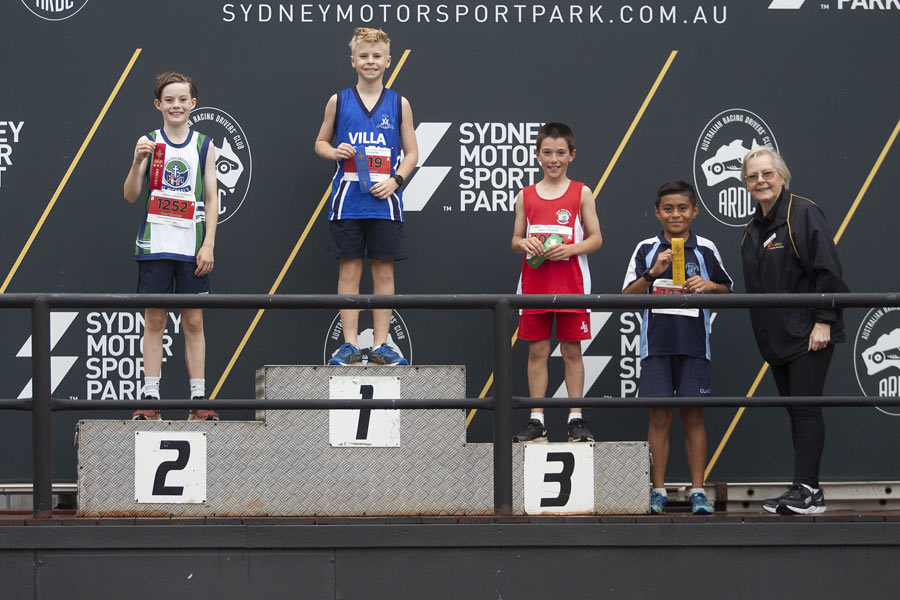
{"points": [[726, 162], [884, 354]]}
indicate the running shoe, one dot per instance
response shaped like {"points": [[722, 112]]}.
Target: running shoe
{"points": [[657, 503], [534, 432], [146, 415], [700, 505], [385, 355], [347, 354], [579, 432], [798, 499]]}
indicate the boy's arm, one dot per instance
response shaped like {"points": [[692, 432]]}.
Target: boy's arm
{"points": [[593, 238], [641, 285], [383, 189], [520, 243], [135, 179], [323, 145], [205, 256]]}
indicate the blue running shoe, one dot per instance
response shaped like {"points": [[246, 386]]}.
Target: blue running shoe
{"points": [[657, 503], [385, 355], [700, 505], [347, 354]]}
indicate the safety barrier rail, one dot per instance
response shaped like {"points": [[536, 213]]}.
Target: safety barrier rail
{"points": [[502, 403]]}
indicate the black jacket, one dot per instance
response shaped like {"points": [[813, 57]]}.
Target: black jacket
{"points": [[791, 250]]}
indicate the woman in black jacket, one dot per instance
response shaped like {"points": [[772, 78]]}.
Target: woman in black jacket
{"points": [[788, 248]]}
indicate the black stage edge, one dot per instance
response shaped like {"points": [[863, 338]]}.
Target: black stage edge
{"points": [[838, 555]]}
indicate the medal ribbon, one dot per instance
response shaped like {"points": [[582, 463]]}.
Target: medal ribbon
{"points": [[158, 166]]}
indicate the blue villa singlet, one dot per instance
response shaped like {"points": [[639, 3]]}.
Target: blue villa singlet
{"points": [[377, 132]]}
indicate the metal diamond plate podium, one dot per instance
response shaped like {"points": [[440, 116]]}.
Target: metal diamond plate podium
{"points": [[283, 464]]}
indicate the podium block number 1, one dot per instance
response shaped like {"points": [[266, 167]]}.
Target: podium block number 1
{"points": [[366, 427], [170, 467], [559, 479]]}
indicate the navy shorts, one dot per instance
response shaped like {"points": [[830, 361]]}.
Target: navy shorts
{"points": [[378, 239], [164, 276], [673, 376]]}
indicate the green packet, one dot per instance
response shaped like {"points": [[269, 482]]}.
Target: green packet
{"points": [[535, 261]]}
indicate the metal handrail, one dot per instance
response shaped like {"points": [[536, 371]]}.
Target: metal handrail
{"points": [[42, 405]]}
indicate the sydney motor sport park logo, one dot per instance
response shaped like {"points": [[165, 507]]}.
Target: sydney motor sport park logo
{"points": [[718, 158], [876, 354], [234, 163]]}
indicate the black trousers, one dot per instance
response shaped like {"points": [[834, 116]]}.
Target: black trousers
{"points": [[805, 376]]}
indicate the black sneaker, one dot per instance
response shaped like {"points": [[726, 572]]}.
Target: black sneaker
{"points": [[534, 432], [579, 432], [798, 499]]}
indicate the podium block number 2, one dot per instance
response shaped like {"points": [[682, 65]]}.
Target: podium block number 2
{"points": [[365, 427], [170, 467], [559, 478]]}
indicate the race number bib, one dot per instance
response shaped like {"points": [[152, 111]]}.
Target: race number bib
{"points": [[171, 208], [547, 232], [376, 158], [667, 287]]}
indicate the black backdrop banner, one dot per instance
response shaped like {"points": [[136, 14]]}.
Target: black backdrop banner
{"points": [[654, 91]]}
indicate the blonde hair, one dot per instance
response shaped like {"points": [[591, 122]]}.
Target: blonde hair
{"points": [[777, 162], [369, 35]]}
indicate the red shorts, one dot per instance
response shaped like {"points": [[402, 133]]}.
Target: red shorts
{"points": [[570, 327]]}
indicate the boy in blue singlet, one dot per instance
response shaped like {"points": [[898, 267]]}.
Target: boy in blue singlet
{"points": [[675, 341], [174, 245], [370, 123]]}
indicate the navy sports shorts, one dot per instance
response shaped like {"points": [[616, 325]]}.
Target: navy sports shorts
{"points": [[164, 276], [378, 239], [673, 376]]}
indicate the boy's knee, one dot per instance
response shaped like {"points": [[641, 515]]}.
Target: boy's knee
{"points": [[570, 350], [661, 418], [155, 321], [691, 417], [192, 324], [539, 350]]}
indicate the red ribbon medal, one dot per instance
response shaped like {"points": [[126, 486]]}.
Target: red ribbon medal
{"points": [[158, 166]]}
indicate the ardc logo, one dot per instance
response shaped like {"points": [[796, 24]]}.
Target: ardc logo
{"points": [[234, 164], [398, 335], [876, 354], [718, 158], [54, 10]]}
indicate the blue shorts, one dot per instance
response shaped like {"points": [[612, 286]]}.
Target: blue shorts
{"points": [[164, 276], [673, 376], [378, 239]]}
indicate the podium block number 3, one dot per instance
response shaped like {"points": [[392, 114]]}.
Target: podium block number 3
{"points": [[170, 467], [559, 479], [365, 427]]}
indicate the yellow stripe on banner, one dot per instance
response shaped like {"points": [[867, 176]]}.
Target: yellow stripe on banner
{"points": [[288, 263], [837, 238], [635, 121], [490, 381], [609, 168], [65, 179]]}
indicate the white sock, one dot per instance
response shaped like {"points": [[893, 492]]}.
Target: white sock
{"points": [[537, 417], [151, 386], [573, 416], [810, 488], [661, 491], [198, 388], [698, 491]]}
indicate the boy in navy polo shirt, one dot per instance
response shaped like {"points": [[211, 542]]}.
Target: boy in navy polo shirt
{"points": [[675, 342], [368, 125]]}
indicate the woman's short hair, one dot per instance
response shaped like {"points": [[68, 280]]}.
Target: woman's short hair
{"points": [[777, 162]]}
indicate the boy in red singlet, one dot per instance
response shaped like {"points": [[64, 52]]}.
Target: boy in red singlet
{"points": [[556, 227]]}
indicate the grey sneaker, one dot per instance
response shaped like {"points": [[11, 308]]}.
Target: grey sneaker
{"points": [[579, 432], [534, 432]]}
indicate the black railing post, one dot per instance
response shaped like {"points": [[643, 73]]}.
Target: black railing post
{"points": [[502, 411], [41, 413]]}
